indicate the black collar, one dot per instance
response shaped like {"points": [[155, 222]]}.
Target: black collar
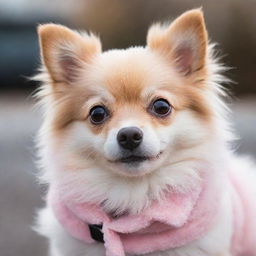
{"points": [[96, 232]]}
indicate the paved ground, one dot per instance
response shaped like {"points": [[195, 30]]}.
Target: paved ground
{"points": [[19, 193]]}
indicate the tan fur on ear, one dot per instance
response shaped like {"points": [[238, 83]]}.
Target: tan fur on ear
{"points": [[64, 50], [184, 41]]}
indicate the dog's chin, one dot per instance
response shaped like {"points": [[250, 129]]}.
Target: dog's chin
{"points": [[134, 166]]}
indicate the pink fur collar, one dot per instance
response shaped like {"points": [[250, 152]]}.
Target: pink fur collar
{"points": [[173, 222]]}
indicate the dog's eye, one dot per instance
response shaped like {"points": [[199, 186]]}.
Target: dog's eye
{"points": [[98, 114], [161, 108]]}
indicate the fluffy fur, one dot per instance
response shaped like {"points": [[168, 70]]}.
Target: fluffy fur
{"points": [[79, 159]]}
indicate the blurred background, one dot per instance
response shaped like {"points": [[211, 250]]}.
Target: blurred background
{"points": [[120, 24]]}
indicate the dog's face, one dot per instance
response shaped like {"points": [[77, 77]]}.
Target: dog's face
{"points": [[127, 111]]}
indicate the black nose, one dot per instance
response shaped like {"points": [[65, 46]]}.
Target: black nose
{"points": [[129, 137]]}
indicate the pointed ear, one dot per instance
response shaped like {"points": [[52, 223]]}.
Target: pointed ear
{"points": [[184, 42], [64, 52]]}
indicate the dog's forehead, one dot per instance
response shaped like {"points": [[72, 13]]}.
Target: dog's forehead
{"points": [[125, 84], [127, 74]]}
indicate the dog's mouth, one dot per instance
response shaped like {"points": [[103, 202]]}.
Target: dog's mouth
{"points": [[132, 159], [136, 159]]}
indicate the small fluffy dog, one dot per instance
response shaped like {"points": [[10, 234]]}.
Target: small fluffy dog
{"points": [[134, 148]]}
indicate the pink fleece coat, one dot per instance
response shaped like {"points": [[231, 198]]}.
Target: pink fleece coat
{"points": [[171, 223]]}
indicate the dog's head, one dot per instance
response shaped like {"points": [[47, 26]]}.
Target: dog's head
{"points": [[127, 111]]}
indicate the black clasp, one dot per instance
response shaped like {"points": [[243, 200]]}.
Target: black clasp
{"points": [[96, 232]]}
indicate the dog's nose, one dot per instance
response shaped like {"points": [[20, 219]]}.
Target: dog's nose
{"points": [[129, 137]]}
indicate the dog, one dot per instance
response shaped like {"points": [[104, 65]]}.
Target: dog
{"points": [[135, 147]]}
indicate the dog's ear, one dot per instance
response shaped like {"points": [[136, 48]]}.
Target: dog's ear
{"points": [[65, 52], [184, 42]]}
